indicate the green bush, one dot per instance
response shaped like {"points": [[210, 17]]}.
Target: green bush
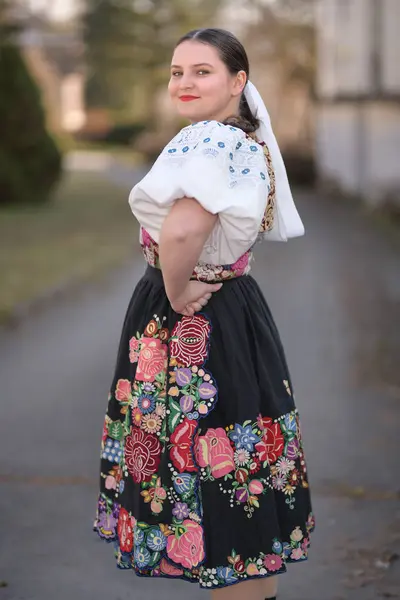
{"points": [[30, 161]]}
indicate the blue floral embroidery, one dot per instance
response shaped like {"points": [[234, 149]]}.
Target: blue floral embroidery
{"points": [[206, 140], [185, 149], [221, 144], [227, 574], [253, 148], [262, 175], [112, 451], [139, 536], [245, 171], [146, 403], [232, 128], [231, 155], [238, 145], [172, 150], [142, 557], [232, 170], [156, 540], [244, 437]]}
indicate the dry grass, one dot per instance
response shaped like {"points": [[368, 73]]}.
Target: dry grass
{"points": [[86, 229]]}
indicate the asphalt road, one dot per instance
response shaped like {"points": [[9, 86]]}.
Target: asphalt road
{"points": [[335, 295]]}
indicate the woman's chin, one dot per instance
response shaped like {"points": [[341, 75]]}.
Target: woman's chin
{"points": [[191, 115]]}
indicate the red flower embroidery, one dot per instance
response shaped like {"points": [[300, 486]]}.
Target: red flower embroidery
{"points": [[142, 455], [271, 446], [189, 340], [182, 440], [125, 530], [152, 359]]}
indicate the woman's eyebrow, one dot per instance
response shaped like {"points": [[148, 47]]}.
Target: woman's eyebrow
{"points": [[197, 65]]}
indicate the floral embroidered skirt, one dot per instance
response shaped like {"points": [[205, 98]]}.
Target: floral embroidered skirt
{"points": [[203, 475]]}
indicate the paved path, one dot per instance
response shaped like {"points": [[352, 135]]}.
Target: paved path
{"points": [[335, 295]]}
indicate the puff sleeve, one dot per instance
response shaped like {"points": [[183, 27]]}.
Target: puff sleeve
{"points": [[224, 171]]}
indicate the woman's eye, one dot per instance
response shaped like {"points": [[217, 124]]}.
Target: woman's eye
{"points": [[202, 72], [176, 73]]}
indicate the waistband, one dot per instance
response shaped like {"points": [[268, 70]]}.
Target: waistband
{"points": [[155, 274]]}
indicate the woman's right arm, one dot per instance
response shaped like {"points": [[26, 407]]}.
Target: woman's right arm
{"points": [[182, 238]]}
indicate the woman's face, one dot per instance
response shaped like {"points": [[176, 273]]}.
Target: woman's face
{"points": [[201, 87]]}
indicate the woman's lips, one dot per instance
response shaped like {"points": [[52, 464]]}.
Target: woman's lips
{"points": [[188, 98]]}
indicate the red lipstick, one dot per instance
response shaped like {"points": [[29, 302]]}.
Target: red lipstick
{"points": [[188, 98]]}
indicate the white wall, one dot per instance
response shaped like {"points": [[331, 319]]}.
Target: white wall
{"points": [[391, 45], [358, 142], [344, 47]]}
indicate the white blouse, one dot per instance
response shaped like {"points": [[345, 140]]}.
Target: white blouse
{"points": [[224, 171]]}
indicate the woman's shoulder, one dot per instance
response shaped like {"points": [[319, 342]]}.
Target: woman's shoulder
{"points": [[210, 134]]}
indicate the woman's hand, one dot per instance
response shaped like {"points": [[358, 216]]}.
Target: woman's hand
{"points": [[194, 298]]}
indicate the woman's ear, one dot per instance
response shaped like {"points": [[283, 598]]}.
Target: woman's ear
{"points": [[240, 83]]}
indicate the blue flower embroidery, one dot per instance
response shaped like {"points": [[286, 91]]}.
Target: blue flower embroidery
{"points": [[206, 140], [231, 155], [185, 149], [112, 451], [262, 176], [238, 145], [226, 574], [172, 150], [245, 171], [232, 170], [244, 437], [156, 540], [232, 128], [139, 536], [142, 557], [221, 144], [146, 403], [253, 148]]}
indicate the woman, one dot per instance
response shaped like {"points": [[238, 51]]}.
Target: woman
{"points": [[203, 475]]}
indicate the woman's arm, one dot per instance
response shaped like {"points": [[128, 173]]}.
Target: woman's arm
{"points": [[183, 235]]}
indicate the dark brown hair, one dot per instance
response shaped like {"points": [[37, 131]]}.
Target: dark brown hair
{"points": [[233, 54]]}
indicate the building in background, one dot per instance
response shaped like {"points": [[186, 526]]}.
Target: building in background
{"points": [[358, 87]]}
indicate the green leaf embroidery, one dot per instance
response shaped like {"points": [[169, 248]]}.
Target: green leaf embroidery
{"points": [[175, 413], [116, 431]]}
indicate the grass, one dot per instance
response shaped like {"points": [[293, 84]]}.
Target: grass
{"points": [[86, 229]]}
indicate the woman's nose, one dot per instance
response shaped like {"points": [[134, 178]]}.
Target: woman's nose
{"points": [[186, 82]]}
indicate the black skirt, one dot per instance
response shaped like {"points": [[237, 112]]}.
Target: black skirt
{"points": [[203, 475]]}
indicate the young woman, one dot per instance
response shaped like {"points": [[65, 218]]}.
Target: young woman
{"points": [[203, 475]]}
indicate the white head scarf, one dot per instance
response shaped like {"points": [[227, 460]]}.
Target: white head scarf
{"points": [[287, 222]]}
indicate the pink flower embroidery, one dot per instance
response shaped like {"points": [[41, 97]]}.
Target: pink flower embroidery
{"points": [[189, 340], [152, 359], [142, 455], [169, 569], [273, 562], [134, 346], [297, 554], [123, 391], [214, 450], [187, 548]]}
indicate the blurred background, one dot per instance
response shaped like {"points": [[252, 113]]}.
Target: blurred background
{"points": [[84, 111]]}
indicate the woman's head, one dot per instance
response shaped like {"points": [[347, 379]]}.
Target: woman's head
{"points": [[209, 72]]}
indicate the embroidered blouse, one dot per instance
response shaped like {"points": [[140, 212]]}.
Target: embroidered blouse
{"points": [[227, 171]]}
